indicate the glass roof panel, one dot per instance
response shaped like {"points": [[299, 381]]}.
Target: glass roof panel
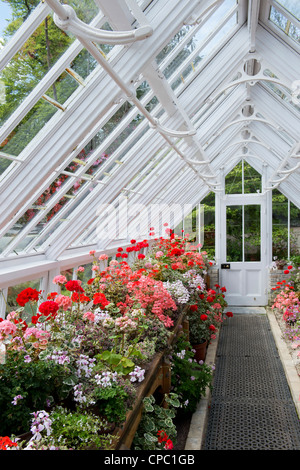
{"points": [[200, 44], [13, 16], [292, 6], [283, 22], [31, 63], [28, 128]]}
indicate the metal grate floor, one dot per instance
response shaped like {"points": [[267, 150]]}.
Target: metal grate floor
{"points": [[251, 404]]}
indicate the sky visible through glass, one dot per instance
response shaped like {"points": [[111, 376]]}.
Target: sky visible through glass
{"points": [[5, 14]]}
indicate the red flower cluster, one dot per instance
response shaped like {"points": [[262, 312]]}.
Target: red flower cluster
{"points": [[99, 298], [80, 298], [49, 307], [287, 271], [137, 247], [164, 438], [193, 308], [176, 252], [74, 286], [6, 442], [26, 295]]}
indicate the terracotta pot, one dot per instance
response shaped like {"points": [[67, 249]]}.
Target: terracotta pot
{"points": [[200, 351]]}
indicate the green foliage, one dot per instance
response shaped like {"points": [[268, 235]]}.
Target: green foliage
{"points": [[37, 382], [117, 362], [79, 430], [154, 419], [113, 402], [189, 379]]}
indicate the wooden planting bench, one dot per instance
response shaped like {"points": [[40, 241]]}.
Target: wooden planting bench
{"points": [[158, 377]]}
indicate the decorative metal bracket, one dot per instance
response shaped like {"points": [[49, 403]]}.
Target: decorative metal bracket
{"points": [[66, 19], [171, 133]]}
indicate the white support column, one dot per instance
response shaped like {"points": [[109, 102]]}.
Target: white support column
{"points": [[50, 286], [3, 300]]}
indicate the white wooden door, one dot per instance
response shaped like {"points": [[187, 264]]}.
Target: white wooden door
{"points": [[243, 266]]}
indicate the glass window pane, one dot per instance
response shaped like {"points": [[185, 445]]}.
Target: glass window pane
{"points": [[31, 63], [252, 237], [295, 230], [252, 179], [28, 128], [29, 308], [13, 16], [207, 224], [234, 233], [233, 181], [284, 24], [293, 6], [279, 225], [191, 225]]}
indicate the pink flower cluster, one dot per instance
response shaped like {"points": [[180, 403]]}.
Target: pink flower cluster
{"points": [[288, 301], [60, 279], [152, 295], [63, 301], [7, 328]]}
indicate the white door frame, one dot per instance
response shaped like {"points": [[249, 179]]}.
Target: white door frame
{"points": [[245, 281]]}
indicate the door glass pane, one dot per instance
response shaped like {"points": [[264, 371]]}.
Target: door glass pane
{"points": [[234, 233], [252, 233]]}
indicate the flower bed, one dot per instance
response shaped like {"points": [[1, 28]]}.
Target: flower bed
{"points": [[78, 371], [286, 307]]}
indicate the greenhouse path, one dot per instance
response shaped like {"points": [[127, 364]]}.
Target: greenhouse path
{"points": [[254, 404]]}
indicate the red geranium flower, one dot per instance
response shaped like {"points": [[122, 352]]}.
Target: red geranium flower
{"points": [[212, 327], [49, 307], [168, 444], [162, 436], [73, 286], [141, 256], [6, 442], [35, 318], [52, 295], [80, 298], [26, 295], [229, 314], [99, 298], [203, 317], [193, 308]]}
